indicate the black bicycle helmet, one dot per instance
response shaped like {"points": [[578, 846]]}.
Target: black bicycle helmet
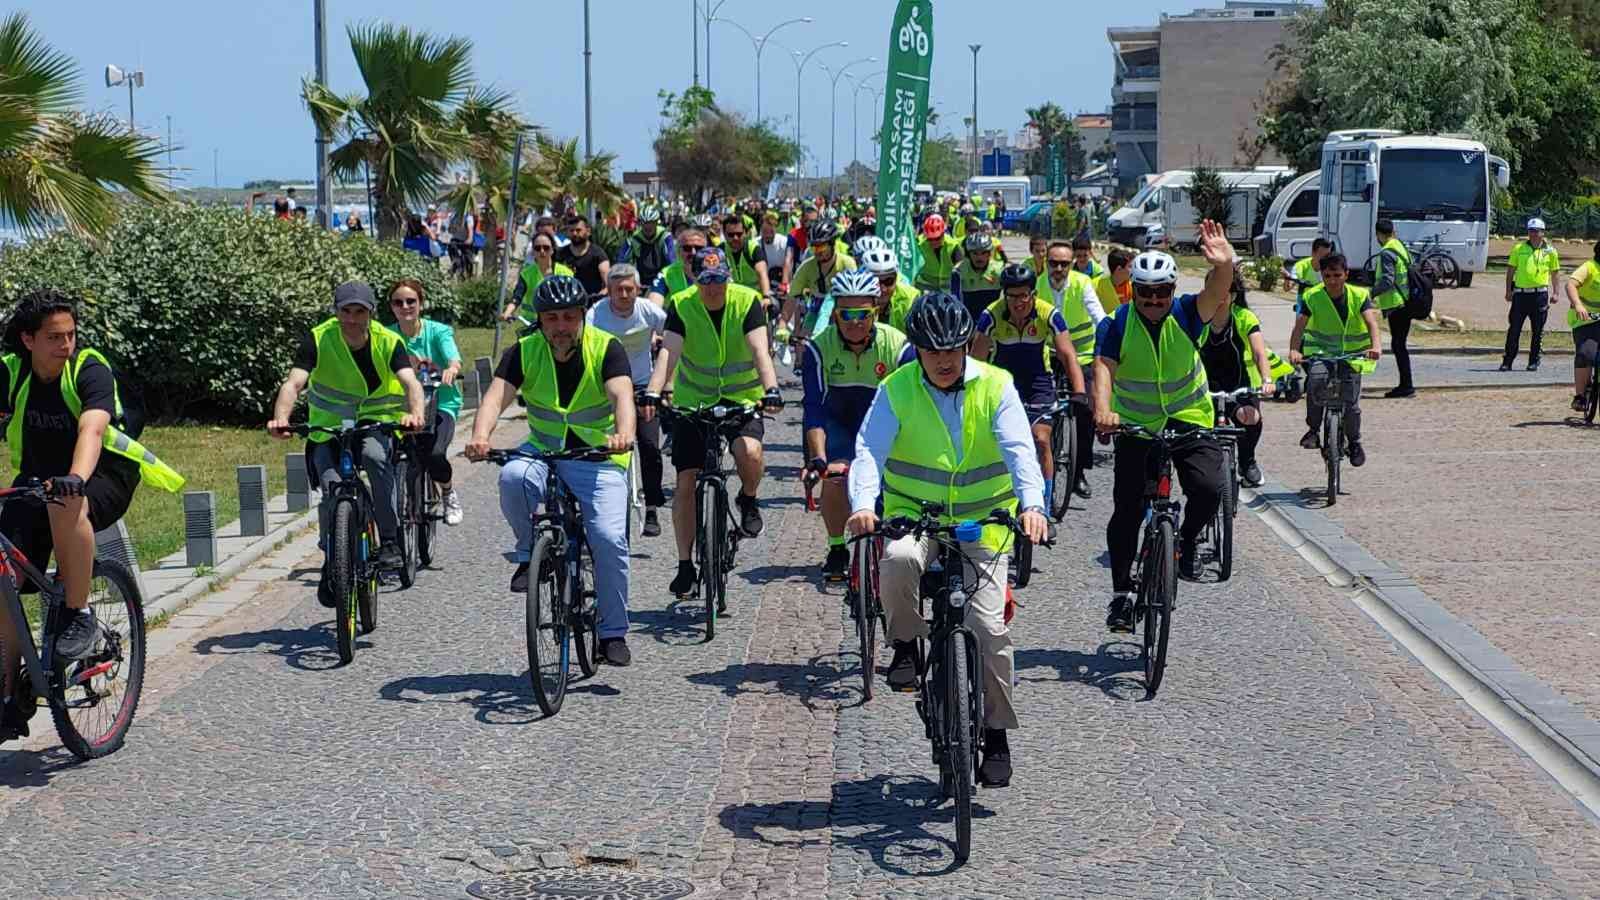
{"points": [[1017, 275], [823, 231], [978, 242], [560, 292], [938, 321]]}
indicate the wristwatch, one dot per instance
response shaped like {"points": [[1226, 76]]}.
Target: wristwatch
{"points": [[1037, 509]]}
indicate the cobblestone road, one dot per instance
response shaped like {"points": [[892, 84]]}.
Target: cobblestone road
{"points": [[1293, 750]]}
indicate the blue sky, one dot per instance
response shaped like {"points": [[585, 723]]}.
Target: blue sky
{"points": [[228, 72]]}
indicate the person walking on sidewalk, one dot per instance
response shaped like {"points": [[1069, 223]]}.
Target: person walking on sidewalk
{"points": [[1529, 271], [1583, 293], [1391, 286]]}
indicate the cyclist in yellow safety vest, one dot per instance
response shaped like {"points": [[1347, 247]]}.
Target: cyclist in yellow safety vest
{"points": [[950, 431], [976, 279], [675, 279], [1147, 372], [1236, 356], [716, 339], [354, 371], [745, 259], [939, 251], [1036, 248], [1530, 271], [1391, 286], [1583, 293], [543, 250], [1306, 273], [1072, 293], [1334, 318], [577, 384], [65, 428], [895, 293], [1114, 286]]}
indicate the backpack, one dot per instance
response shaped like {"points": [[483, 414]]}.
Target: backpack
{"points": [[1419, 292]]}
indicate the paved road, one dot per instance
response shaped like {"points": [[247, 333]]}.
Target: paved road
{"points": [[1293, 750]]}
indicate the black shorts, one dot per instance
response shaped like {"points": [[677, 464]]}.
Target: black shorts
{"points": [[689, 441], [109, 493]]}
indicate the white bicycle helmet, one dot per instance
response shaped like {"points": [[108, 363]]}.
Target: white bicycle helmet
{"points": [[880, 261], [854, 283], [867, 243], [1155, 267]]}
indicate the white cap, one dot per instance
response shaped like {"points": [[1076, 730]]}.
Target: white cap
{"points": [[1535, 224]]}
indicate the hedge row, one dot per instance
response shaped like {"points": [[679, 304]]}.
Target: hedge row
{"points": [[202, 306]]}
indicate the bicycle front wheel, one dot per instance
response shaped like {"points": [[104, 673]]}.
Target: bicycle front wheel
{"points": [[1592, 396], [1158, 590], [548, 663], [709, 537], [346, 553], [1332, 451], [1226, 510], [1064, 447], [958, 746], [367, 582], [101, 691], [427, 520], [410, 505], [584, 617], [864, 584]]}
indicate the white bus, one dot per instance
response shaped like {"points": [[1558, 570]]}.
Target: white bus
{"points": [[1435, 189]]}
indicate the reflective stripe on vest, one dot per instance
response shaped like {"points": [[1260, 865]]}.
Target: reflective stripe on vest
{"points": [[114, 440], [922, 468], [588, 413], [1326, 335], [1069, 301], [716, 365], [337, 392], [1151, 385]]}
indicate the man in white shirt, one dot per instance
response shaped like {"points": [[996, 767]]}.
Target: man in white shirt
{"points": [[636, 322]]}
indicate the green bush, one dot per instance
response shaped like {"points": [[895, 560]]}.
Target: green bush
{"points": [[1063, 221], [1264, 271], [478, 300], [202, 307]]}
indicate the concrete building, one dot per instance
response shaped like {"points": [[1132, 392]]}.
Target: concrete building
{"points": [[1185, 90], [1094, 130]]}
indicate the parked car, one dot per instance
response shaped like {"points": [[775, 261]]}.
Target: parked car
{"points": [[1035, 220]]}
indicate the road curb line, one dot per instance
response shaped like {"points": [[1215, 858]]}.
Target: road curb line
{"points": [[1415, 622]]}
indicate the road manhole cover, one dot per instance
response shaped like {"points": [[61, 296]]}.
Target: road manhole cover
{"points": [[581, 886]]}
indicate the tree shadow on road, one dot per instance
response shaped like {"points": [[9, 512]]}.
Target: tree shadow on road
{"points": [[497, 698], [894, 810], [1115, 668], [815, 682], [312, 649]]}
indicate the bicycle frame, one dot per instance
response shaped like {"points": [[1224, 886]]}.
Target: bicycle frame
{"points": [[36, 660]]}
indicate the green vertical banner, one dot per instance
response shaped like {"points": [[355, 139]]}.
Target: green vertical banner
{"points": [[1058, 178], [905, 125]]}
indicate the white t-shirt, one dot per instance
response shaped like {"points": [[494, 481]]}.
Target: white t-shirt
{"points": [[635, 332], [775, 254]]}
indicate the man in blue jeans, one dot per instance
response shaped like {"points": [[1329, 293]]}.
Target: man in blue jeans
{"points": [[578, 386]]}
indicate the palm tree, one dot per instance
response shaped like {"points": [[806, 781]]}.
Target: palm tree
{"points": [[490, 129], [58, 166], [586, 181], [410, 126], [1051, 123]]}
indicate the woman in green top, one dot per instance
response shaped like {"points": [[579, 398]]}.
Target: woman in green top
{"points": [[543, 266], [432, 346]]}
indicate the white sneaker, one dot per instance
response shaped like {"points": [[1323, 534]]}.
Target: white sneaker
{"points": [[452, 508]]}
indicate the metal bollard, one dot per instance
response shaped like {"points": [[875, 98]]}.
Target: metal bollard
{"points": [[471, 390], [484, 366], [112, 542], [200, 528], [252, 500], [297, 482]]}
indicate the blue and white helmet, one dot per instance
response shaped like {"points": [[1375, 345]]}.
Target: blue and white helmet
{"points": [[854, 283]]}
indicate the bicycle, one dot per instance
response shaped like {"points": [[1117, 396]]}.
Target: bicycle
{"points": [[865, 609], [1335, 388], [353, 540], [949, 671], [716, 534], [560, 610], [419, 499], [1219, 532], [1063, 448], [104, 686], [1591, 391], [1155, 573], [1435, 261]]}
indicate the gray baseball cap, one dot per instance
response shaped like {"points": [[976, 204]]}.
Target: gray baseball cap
{"points": [[354, 293]]}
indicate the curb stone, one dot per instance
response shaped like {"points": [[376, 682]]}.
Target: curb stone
{"points": [[1534, 717]]}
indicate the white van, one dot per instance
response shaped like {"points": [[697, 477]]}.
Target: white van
{"points": [[1291, 223], [1164, 205]]}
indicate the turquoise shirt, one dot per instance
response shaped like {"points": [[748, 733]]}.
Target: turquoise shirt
{"points": [[435, 345]]}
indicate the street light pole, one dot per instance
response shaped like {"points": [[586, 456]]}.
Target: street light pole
{"points": [[800, 60], [170, 169], [833, 116], [760, 44], [972, 158], [320, 10], [711, 15], [855, 122], [588, 128]]}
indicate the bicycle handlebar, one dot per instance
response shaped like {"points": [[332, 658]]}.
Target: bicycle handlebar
{"points": [[1335, 357], [929, 525], [584, 454], [306, 429]]}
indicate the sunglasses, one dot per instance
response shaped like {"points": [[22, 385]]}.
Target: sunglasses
{"points": [[734, 235], [861, 314], [1060, 264], [888, 280], [405, 301], [1153, 293], [541, 248]]}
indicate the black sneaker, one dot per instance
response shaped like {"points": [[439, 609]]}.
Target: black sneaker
{"points": [[652, 523], [749, 515], [903, 668], [996, 769], [1119, 614], [1580, 403], [325, 594], [683, 583], [1358, 456], [77, 640], [1250, 475], [1533, 367], [519, 579], [389, 555], [1188, 552], [1400, 391], [615, 652], [1505, 367], [1310, 440], [837, 566], [1082, 488], [12, 723]]}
